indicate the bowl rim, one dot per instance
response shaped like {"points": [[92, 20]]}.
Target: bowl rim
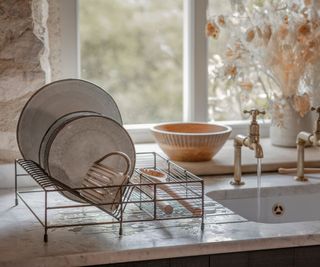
{"points": [[228, 129]]}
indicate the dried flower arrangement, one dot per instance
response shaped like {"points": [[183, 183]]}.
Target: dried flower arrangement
{"points": [[272, 44]]}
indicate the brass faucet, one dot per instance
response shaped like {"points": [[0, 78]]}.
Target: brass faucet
{"points": [[252, 142], [307, 139]]}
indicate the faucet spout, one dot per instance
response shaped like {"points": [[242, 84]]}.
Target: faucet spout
{"points": [[306, 139], [252, 141], [258, 150]]}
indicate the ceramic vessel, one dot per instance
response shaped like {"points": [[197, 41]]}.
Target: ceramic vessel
{"points": [[191, 141], [285, 133]]}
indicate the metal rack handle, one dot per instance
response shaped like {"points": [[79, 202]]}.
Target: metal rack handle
{"points": [[119, 153]]}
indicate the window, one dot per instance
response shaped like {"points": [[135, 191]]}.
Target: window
{"points": [[152, 56], [133, 49], [227, 98], [228, 95]]}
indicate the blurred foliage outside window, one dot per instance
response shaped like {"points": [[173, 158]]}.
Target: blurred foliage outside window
{"points": [[229, 97], [133, 49]]}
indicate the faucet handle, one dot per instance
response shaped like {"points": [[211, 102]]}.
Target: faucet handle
{"points": [[255, 112]]}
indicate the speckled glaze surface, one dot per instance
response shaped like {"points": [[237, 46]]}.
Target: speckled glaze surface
{"points": [[80, 142], [55, 100], [54, 128], [191, 142]]}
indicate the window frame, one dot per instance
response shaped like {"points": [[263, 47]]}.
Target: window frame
{"points": [[195, 66], [70, 48]]}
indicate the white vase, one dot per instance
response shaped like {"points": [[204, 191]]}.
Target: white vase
{"points": [[285, 133]]}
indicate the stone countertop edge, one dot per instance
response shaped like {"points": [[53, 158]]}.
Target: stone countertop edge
{"points": [[165, 252], [21, 242]]}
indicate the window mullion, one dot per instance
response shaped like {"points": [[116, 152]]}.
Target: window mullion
{"points": [[195, 81], [70, 47]]}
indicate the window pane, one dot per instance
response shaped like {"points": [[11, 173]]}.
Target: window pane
{"points": [[133, 49], [234, 85]]}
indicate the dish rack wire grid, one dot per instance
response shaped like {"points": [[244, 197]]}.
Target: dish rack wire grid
{"points": [[140, 200]]}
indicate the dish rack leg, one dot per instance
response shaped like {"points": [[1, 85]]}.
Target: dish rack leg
{"points": [[202, 206], [121, 212], [16, 183], [45, 236], [120, 229]]}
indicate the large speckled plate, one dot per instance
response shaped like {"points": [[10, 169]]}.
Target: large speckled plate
{"points": [[55, 100], [81, 141]]}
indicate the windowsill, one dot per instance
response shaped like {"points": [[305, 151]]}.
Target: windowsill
{"points": [[274, 158]]}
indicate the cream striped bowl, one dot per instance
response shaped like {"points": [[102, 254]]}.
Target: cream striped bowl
{"points": [[191, 141]]}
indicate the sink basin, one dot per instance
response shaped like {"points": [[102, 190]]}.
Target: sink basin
{"points": [[294, 202]]}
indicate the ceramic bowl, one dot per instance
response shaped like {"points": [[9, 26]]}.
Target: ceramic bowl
{"points": [[186, 141]]}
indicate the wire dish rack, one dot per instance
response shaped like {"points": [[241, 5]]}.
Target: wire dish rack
{"points": [[180, 196]]}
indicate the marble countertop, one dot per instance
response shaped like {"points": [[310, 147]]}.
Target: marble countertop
{"points": [[21, 237]]}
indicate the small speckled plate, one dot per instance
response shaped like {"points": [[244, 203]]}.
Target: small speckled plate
{"points": [[81, 141]]}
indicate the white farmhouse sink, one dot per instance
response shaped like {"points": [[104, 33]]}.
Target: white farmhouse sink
{"points": [[282, 199]]}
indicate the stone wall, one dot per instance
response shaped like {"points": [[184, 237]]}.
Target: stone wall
{"points": [[24, 64], [55, 42]]}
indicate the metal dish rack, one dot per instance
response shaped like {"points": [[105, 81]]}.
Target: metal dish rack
{"points": [[140, 199]]}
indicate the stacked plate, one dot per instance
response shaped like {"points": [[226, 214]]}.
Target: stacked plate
{"points": [[66, 126]]}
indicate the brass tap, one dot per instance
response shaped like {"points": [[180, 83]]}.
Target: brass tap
{"points": [[307, 139], [252, 141]]}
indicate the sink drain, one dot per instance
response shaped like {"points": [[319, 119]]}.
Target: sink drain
{"points": [[278, 209]]}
